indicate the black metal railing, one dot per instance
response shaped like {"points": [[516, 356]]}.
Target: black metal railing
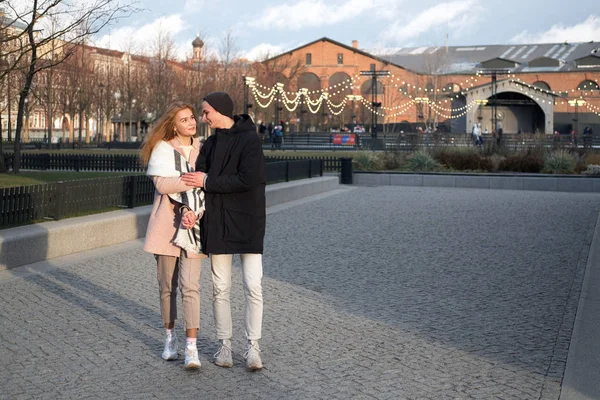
{"points": [[56, 200], [77, 162], [330, 164]]}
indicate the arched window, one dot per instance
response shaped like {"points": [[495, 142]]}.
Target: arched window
{"points": [[309, 81], [541, 85], [366, 87], [588, 85], [276, 77], [451, 88], [430, 87], [340, 85]]}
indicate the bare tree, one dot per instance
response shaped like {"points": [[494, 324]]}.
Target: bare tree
{"points": [[160, 94], [78, 19], [228, 53], [271, 69]]}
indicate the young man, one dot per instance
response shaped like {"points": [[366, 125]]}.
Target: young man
{"points": [[234, 220]]}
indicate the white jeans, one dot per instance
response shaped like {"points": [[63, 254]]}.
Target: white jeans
{"points": [[252, 273]]}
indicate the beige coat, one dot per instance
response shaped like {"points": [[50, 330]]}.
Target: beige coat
{"points": [[165, 216]]}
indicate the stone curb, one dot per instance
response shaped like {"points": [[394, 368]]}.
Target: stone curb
{"points": [[581, 380], [32, 243], [561, 183]]}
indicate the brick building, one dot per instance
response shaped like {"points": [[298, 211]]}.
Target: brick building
{"points": [[538, 88]]}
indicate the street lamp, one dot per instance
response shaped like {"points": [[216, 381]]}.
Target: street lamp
{"points": [[480, 104], [421, 101], [353, 98], [576, 103], [278, 108], [248, 84], [117, 95], [131, 105], [100, 133], [324, 102]]}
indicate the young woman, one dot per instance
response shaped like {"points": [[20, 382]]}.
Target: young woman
{"points": [[169, 151]]}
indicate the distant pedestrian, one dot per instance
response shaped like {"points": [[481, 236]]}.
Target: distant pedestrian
{"points": [[262, 129], [499, 132], [587, 137]]}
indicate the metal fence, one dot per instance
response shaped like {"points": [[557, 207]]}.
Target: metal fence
{"points": [[285, 171], [411, 141], [28, 204], [330, 164], [77, 162]]}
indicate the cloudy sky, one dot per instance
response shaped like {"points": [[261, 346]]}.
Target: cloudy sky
{"points": [[261, 27]]}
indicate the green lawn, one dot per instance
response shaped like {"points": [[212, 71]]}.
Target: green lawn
{"points": [[37, 177]]}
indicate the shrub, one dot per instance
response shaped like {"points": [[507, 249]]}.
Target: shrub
{"points": [[391, 160], [592, 169], [524, 162], [364, 161], [560, 162], [495, 161], [592, 158], [464, 159], [421, 161]]}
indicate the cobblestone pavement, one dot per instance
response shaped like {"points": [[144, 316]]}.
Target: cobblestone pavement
{"points": [[374, 293]]}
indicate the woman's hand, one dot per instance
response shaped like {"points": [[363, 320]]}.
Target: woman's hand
{"points": [[195, 179], [188, 220]]}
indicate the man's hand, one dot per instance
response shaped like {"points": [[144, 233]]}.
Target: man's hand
{"points": [[188, 219], [195, 179]]}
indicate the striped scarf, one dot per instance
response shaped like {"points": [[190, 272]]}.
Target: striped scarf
{"points": [[165, 161]]}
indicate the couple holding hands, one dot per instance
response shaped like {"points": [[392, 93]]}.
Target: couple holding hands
{"points": [[209, 202]]}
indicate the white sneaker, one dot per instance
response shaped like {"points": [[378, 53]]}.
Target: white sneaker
{"points": [[252, 356], [191, 358], [223, 355], [170, 351]]}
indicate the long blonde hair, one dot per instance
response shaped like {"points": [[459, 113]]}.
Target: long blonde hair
{"points": [[164, 129]]}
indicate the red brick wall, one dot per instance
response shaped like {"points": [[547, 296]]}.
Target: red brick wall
{"points": [[324, 65]]}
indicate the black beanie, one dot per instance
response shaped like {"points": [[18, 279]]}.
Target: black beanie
{"points": [[221, 102]]}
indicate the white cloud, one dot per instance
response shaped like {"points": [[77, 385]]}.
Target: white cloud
{"points": [[315, 13], [455, 15], [583, 32], [192, 6], [262, 51], [140, 39]]}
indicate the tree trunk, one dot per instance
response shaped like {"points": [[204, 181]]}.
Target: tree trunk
{"points": [[49, 123], [2, 166], [24, 93]]}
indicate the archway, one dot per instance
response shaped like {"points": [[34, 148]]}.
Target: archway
{"points": [[340, 85], [307, 120], [520, 107], [517, 112]]}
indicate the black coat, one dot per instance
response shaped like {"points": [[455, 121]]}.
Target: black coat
{"points": [[234, 219]]}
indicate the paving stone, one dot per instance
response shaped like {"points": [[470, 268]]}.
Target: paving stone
{"points": [[376, 293]]}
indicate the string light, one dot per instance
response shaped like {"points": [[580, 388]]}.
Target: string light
{"points": [[292, 99]]}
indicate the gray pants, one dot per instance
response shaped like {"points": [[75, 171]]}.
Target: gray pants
{"points": [[252, 273], [182, 272]]}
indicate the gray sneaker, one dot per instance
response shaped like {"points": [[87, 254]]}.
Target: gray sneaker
{"points": [[252, 356], [191, 358], [170, 351], [223, 355]]}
